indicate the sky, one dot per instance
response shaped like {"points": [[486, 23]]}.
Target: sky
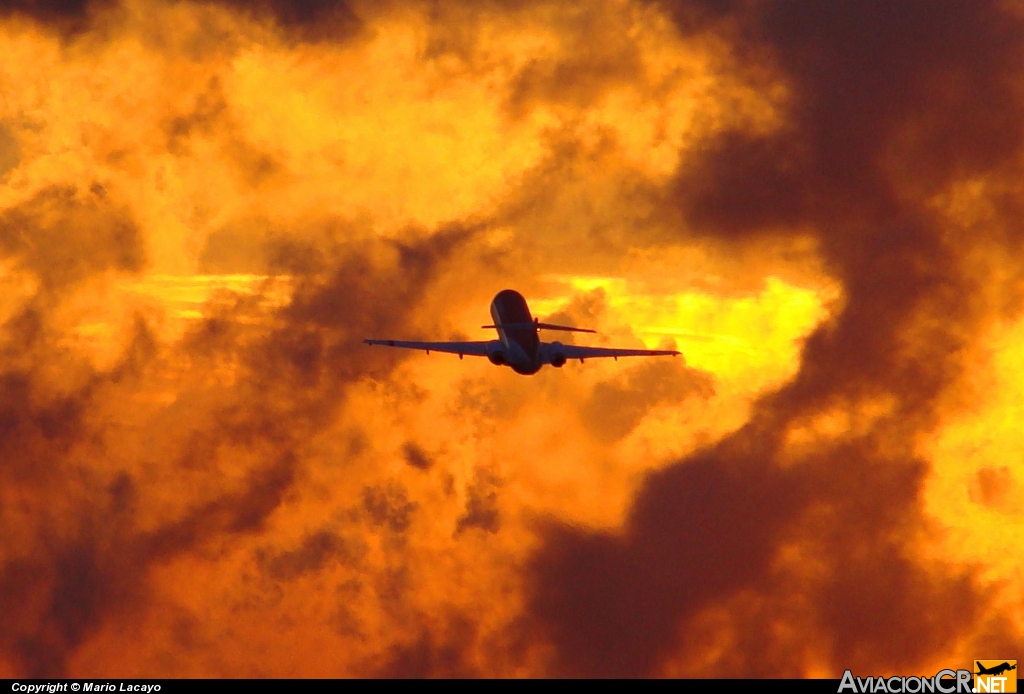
{"points": [[207, 205]]}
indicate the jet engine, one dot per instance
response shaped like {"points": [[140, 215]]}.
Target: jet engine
{"points": [[495, 354], [557, 356]]}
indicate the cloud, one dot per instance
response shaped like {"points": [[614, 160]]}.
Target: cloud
{"points": [[616, 406], [70, 14], [871, 88], [481, 504], [63, 236], [416, 456], [75, 570], [310, 20], [208, 206], [315, 551], [9, 151]]}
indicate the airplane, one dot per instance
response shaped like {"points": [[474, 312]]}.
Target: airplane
{"points": [[995, 669], [518, 345]]}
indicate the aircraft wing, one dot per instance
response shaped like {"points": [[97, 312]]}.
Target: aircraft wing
{"points": [[575, 352], [472, 349]]}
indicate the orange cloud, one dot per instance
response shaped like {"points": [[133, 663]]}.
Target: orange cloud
{"points": [[207, 206]]}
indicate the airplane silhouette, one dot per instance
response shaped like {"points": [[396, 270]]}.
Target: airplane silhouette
{"points": [[995, 669], [518, 345]]}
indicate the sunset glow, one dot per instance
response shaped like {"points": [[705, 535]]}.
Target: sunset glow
{"points": [[206, 207]]}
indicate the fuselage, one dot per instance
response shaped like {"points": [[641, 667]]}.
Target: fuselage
{"points": [[521, 343]]}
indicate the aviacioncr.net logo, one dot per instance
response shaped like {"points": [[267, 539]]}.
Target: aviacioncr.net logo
{"points": [[942, 682], [995, 676]]}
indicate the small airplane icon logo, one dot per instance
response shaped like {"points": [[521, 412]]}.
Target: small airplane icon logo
{"points": [[518, 345], [995, 669]]}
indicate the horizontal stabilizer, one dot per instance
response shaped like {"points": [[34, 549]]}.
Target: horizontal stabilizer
{"points": [[549, 326], [539, 326]]}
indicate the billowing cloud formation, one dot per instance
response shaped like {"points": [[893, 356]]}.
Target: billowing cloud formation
{"points": [[872, 89], [208, 206]]}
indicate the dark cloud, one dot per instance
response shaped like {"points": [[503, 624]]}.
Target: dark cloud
{"points": [[310, 19], [481, 504], [304, 20], [994, 487], [388, 506], [41, 429], [598, 56], [614, 604], [437, 652], [314, 552], [63, 236], [617, 405], [46, 7], [68, 15], [373, 289], [208, 118], [416, 456], [208, 110], [54, 599], [10, 152], [64, 574], [584, 311], [702, 531], [874, 86]]}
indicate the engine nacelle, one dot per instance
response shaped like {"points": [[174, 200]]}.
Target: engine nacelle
{"points": [[496, 354], [556, 357]]}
